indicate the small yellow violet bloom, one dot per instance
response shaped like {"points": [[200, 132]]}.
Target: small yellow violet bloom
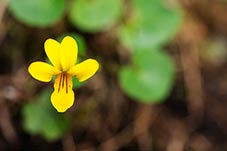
{"points": [[63, 57]]}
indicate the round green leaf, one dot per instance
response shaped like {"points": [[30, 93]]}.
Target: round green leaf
{"points": [[37, 12], [55, 126], [41, 118], [33, 118], [96, 15], [150, 25], [150, 79]]}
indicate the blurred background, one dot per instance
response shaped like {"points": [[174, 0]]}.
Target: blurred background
{"points": [[162, 82]]}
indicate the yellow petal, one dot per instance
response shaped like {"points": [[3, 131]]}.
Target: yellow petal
{"points": [[52, 49], [42, 71], [84, 70], [68, 53], [63, 97]]}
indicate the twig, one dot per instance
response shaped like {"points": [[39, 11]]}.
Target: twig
{"points": [[193, 80], [189, 56], [68, 143], [142, 123], [139, 127], [3, 6]]}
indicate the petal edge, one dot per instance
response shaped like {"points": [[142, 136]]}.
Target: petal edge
{"points": [[52, 48], [68, 53], [63, 96], [85, 69], [42, 71]]}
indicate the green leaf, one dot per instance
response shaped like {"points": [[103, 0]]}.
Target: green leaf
{"points": [[33, 118], [76, 83], [41, 118], [151, 77], [37, 12], [96, 15], [150, 25], [55, 126]]}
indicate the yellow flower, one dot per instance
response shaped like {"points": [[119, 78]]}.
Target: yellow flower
{"points": [[63, 57]]}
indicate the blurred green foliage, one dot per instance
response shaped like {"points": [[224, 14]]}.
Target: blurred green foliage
{"points": [[150, 24], [150, 77], [41, 118], [96, 15], [39, 13]]}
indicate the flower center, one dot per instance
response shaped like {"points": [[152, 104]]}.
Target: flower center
{"points": [[63, 83]]}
